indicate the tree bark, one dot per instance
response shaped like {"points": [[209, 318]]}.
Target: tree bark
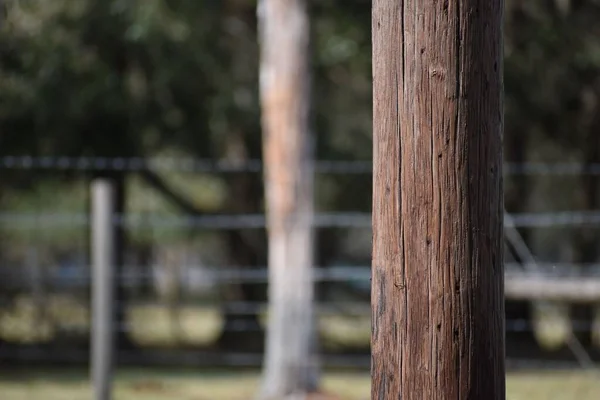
{"points": [[437, 272], [289, 365]]}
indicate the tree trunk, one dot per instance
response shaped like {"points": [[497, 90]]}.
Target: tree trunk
{"points": [[289, 365], [437, 272]]}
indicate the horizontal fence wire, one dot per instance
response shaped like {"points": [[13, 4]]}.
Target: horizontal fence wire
{"points": [[41, 219], [167, 164], [349, 311], [190, 357], [511, 325], [213, 277], [199, 165], [260, 274]]}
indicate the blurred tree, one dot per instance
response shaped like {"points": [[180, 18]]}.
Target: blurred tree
{"points": [[88, 78], [290, 367]]}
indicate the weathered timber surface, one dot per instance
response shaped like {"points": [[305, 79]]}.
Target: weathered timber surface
{"points": [[437, 268]]}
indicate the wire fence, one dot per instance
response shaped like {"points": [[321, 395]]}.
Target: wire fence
{"points": [[168, 304], [198, 165], [43, 219]]}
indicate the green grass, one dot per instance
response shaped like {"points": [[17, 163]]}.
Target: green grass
{"points": [[189, 385]]}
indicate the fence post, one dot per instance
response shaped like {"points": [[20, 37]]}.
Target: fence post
{"points": [[103, 290], [437, 274]]}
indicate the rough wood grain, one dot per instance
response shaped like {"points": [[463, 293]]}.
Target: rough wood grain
{"points": [[289, 366], [437, 270]]}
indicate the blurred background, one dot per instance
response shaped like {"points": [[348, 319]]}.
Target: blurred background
{"points": [[161, 98]]}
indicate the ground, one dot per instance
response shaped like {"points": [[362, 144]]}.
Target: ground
{"points": [[191, 385]]}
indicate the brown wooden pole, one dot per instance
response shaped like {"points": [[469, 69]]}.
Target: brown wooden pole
{"points": [[437, 277]]}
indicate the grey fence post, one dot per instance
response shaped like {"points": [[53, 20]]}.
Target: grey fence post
{"points": [[103, 290]]}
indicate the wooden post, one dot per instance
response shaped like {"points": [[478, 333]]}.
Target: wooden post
{"points": [[103, 288], [437, 272], [289, 365]]}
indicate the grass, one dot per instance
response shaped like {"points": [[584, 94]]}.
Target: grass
{"points": [[191, 385]]}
